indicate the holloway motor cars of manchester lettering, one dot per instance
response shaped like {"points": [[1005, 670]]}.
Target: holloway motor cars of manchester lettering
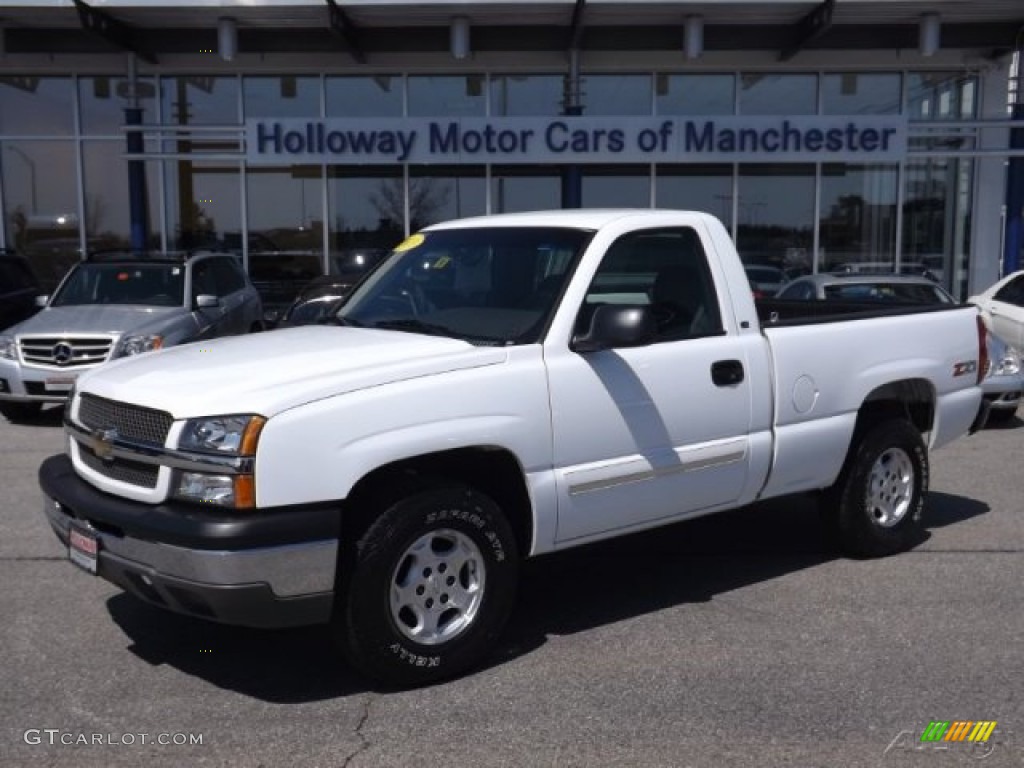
{"points": [[872, 138]]}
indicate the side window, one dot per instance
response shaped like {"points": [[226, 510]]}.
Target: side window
{"points": [[1012, 292], [666, 269], [203, 279], [228, 278]]}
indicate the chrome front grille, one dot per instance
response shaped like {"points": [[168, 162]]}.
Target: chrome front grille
{"points": [[132, 422], [65, 352], [124, 470]]}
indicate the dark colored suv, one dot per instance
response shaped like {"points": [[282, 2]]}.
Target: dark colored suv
{"points": [[18, 290]]}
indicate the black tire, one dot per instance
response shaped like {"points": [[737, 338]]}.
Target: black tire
{"points": [[448, 546], [874, 508], [19, 412]]}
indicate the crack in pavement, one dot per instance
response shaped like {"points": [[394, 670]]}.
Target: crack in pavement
{"points": [[365, 745]]}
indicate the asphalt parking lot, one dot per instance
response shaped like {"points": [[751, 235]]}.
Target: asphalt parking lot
{"points": [[735, 640]]}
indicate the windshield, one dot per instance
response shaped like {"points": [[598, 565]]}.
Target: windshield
{"points": [[487, 285], [153, 285]]}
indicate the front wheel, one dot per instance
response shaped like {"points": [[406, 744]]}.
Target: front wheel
{"points": [[875, 505], [430, 589]]}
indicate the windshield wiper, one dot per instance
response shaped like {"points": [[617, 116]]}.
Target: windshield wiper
{"points": [[418, 326]]}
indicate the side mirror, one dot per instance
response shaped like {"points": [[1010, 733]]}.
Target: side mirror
{"points": [[207, 301], [41, 301], [617, 325]]}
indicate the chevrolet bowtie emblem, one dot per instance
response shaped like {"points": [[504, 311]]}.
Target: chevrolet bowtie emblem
{"points": [[101, 441]]}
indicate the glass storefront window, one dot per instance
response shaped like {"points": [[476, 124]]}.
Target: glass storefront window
{"points": [[107, 205], [285, 208], [36, 106], [941, 95], [447, 96], [104, 98], [371, 96], [622, 186], [937, 218], [861, 93], [285, 96], [41, 215], [765, 93], [204, 207], [366, 206], [776, 215], [199, 99], [525, 188], [616, 95], [695, 94], [526, 95], [441, 193], [858, 217], [706, 188]]}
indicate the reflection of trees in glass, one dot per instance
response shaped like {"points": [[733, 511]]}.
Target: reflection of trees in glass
{"points": [[426, 198]]}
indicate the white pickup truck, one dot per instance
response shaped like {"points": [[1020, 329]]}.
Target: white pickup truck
{"points": [[499, 388]]}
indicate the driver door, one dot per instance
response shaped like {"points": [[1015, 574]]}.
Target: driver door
{"points": [[654, 432]]}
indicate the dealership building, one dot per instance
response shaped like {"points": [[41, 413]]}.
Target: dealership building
{"points": [[825, 134]]}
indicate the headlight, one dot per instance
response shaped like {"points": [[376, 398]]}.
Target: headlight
{"points": [[222, 434], [136, 344], [1008, 364], [8, 349], [234, 491], [235, 435]]}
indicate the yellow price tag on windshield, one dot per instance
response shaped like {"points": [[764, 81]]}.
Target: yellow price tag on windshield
{"points": [[409, 243]]}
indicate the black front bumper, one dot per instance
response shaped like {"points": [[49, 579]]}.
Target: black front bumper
{"points": [[186, 559]]}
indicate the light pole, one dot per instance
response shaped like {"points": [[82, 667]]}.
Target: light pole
{"points": [[33, 200]]}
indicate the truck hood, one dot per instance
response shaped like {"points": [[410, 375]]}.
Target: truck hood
{"points": [[95, 318], [267, 373]]}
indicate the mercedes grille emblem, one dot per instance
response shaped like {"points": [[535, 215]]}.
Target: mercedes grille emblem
{"points": [[62, 353]]}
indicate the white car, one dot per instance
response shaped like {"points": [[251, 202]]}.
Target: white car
{"points": [[1002, 307]]}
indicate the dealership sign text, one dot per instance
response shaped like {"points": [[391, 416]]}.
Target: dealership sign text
{"points": [[575, 140]]}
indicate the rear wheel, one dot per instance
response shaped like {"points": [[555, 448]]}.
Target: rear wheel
{"points": [[430, 588], [18, 412], [875, 505]]}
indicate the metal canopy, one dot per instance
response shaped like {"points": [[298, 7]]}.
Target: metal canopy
{"points": [[810, 28], [116, 32], [367, 27], [343, 28]]}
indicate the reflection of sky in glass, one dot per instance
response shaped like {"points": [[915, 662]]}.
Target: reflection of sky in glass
{"points": [[38, 178], [374, 96], [103, 101], [617, 95], [524, 193], [526, 95], [360, 202], [286, 96], [773, 94], [36, 106], [435, 198], [858, 213], [284, 197], [697, 188], [776, 196], [216, 192], [852, 93], [107, 207], [448, 96], [695, 94], [200, 99], [619, 191]]}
